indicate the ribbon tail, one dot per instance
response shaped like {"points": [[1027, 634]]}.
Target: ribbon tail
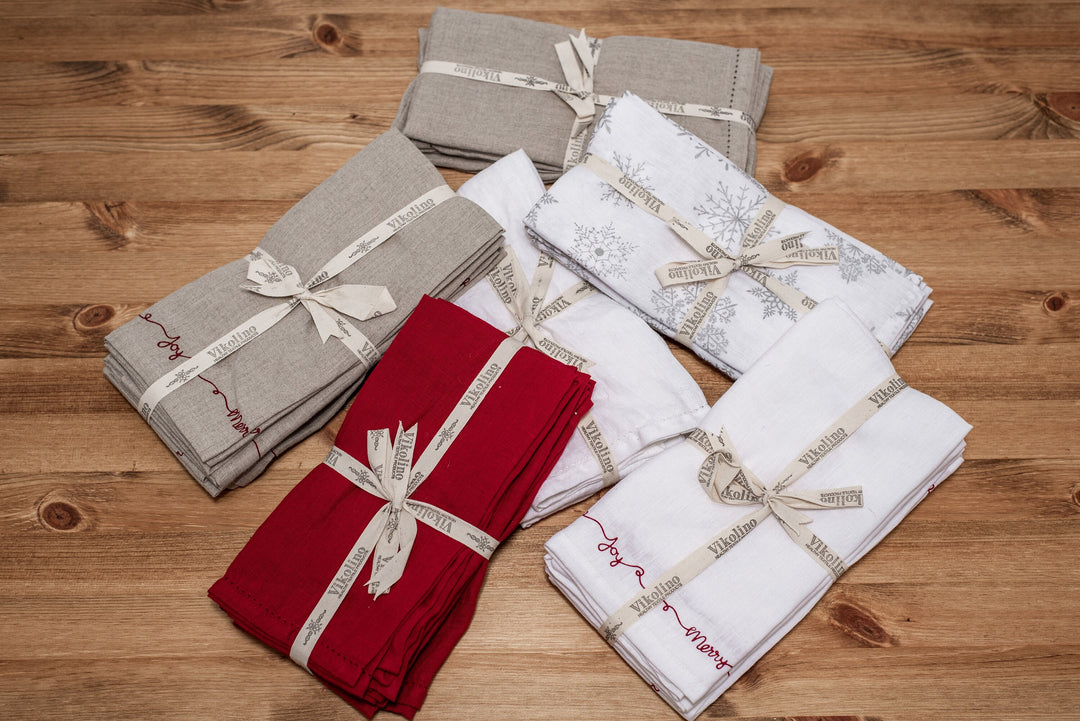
{"points": [[325, 323], [362, 302], [389, 567]]}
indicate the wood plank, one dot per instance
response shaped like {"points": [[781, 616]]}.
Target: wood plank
{"points": [[838, 119], [1041, 77], [783, 168], [888, 25]]}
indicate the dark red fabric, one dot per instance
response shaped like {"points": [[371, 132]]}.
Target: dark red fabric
{"points": [[384, 653]]}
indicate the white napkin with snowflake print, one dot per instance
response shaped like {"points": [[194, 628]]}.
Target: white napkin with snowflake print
{"points": [[618, 246], [715, 626], [644, 400]]}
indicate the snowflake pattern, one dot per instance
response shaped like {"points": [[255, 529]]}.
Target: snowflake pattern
{"points": [[182, 376], [636, 173], [545, 199], [700, 147], [363, 247], [530, 80], [726, 214], [672, 303], [611, 633], [269, 278], [770, 304], [445, 436], [601, 250], [854, 261], [314, 625], [604, 121], [481, 543]]}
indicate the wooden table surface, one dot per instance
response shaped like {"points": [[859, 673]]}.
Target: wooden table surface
{"points": [[145, 142]]}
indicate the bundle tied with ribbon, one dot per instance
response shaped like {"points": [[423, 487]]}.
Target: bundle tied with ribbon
{"points": [[825, 446], [538, 67], [662, 222], [226, 372], [644, 399], [368, 571]]}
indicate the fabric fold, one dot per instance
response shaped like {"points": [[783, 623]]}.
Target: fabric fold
{"points": [[672, 204], [467, 122], [644, 399], [382, 653], [386, 220], [697, 634]]}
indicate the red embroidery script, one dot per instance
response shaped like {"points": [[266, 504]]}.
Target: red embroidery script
{"points": [[233, 415], [699, 639]]}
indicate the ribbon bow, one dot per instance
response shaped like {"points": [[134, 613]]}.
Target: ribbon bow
{"points": [[726, 479], [390, 534], [523, 301], [275, 279], [577, 56]]}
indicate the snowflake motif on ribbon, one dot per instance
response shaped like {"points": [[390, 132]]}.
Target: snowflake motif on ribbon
{"points": [[611, 633], [181, 376], [481, 543], [446, 435], [601, 250], [672, 303], [314, 625], [856, 262], [545, 199], [255, 255], [271, 277], [636, 173], [530, 80], [594, 46], [772, 305], [363, 248], [726, 214]]}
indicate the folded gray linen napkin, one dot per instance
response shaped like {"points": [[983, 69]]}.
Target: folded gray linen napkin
{"points": [[226, 424], [468, 124]]}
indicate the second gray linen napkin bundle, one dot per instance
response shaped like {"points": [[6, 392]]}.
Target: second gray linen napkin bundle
{"points": [[467, 123], [226, 421]]}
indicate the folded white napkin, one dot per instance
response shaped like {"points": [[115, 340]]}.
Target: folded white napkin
{"points": [[719, 623], [644, 400], [618, 246]]}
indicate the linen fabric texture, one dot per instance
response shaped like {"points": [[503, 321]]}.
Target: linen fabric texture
{"points": [[714, 628], [467, 124], [383, 654], [644, 400], [229, 423], [617, 246]]}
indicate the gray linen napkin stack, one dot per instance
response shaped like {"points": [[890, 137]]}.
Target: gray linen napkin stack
{"points": [[228, 423], [468, 124]]}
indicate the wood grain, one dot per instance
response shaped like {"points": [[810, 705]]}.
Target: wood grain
{"points": [[146, 142]]}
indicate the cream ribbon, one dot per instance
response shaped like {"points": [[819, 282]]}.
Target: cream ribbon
{"points": [[523, 302], [726, 479], [269, 277], [393, 476], [753, 255], [578, 56]]}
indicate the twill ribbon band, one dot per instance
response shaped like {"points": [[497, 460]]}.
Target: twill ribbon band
{"points": [[718, 265], [393, 475], [272, 278], [726, 479], [525, 303]]}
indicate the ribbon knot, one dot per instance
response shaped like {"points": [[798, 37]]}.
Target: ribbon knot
{"points": [[726, 479], [274, 279], [577, 56]]}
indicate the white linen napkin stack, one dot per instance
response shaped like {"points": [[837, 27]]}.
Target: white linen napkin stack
{"points": [[618, 246], [644, 399], [716, 626]]}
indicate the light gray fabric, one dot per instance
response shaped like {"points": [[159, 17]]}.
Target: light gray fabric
{"points": [[287, 383], [468, 124]]}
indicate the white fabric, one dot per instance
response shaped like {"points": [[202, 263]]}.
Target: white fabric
{"points": [[618, 246], [746, 601], [644, 400]]}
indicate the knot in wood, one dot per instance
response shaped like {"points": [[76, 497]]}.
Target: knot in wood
{"points": [[860, 625], [90, 318], [60, 516]]}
